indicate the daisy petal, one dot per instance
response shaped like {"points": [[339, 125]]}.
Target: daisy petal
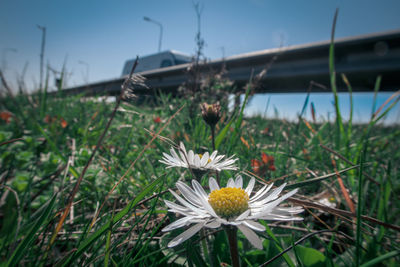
{"points": [[243, 215], [203, 198], [272, 217], [270, 206], [251, 236], [196, 161], [186, 235], [199, 190], [213, 184], [188, 193], [182, 147], [262, 193], [218, 158], [175, 207], [254, 225], [291, 210], [190, 157], [204, 159], [213, 224], [239, 181], [275, 193], [230, 183], [177, 224], [250, 186], [187, 204], [212, 157]]}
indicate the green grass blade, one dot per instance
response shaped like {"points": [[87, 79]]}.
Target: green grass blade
{"points": [[223, 132], [239, 121], [332, 73], [236, 132], [108, 239], [350, 122], [387, 110], [29, 238], [303, 110], [89, 241], [379, 259], [376, 90], [43, 97], [359, 207]]}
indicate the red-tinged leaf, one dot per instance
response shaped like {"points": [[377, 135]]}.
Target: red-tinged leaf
{"points": [[256, 165], [271, 168], [265, 131], [6, 116], [48, 119], [63, 122], [94, 115], [157, 120], [261, 166], [271, 160], [313, 112], [245, 142], [264, 158]]}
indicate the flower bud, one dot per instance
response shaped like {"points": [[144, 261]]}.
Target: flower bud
{"points": [[211, 113]]}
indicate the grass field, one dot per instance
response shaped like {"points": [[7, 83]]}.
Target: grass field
{"points": [[81, 183]]}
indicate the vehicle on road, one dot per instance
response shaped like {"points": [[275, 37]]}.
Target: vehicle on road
{"points": [[156, 61]]}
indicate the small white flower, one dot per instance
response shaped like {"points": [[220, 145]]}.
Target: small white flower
{"points": [[230, 205], [203, 162]]}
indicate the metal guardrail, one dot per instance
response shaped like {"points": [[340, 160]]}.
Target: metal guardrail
{"points": [[361, 58]]}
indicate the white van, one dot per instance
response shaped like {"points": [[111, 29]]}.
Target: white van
{"points": [[155, 61]]}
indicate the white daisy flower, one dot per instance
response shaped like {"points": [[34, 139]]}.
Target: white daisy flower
{"points": [[202, 162], [230, 206]]}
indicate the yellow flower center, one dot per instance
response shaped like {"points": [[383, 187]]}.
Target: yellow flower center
{"points": [[229, 202], [201, 155]]}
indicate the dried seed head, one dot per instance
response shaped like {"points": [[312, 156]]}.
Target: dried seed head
{"points": [[134, 83]]}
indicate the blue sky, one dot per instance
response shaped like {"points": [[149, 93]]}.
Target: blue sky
{"points": [[98, 36]]}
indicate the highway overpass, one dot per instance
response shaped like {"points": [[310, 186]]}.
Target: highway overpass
{"points": [[361, 58]]}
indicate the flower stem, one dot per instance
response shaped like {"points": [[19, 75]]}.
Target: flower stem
{"points": [[213, 146], [231, 232], [213, 136]]}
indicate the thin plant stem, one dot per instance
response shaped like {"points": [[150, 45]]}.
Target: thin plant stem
{"points": [[231, 232], [359, 207], [76, 187], [213, 136], [43, 29], [213, 147]]}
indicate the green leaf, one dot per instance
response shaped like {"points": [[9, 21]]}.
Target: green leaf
{"points": [[310, 257], [20, 182], [276, 243]]}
